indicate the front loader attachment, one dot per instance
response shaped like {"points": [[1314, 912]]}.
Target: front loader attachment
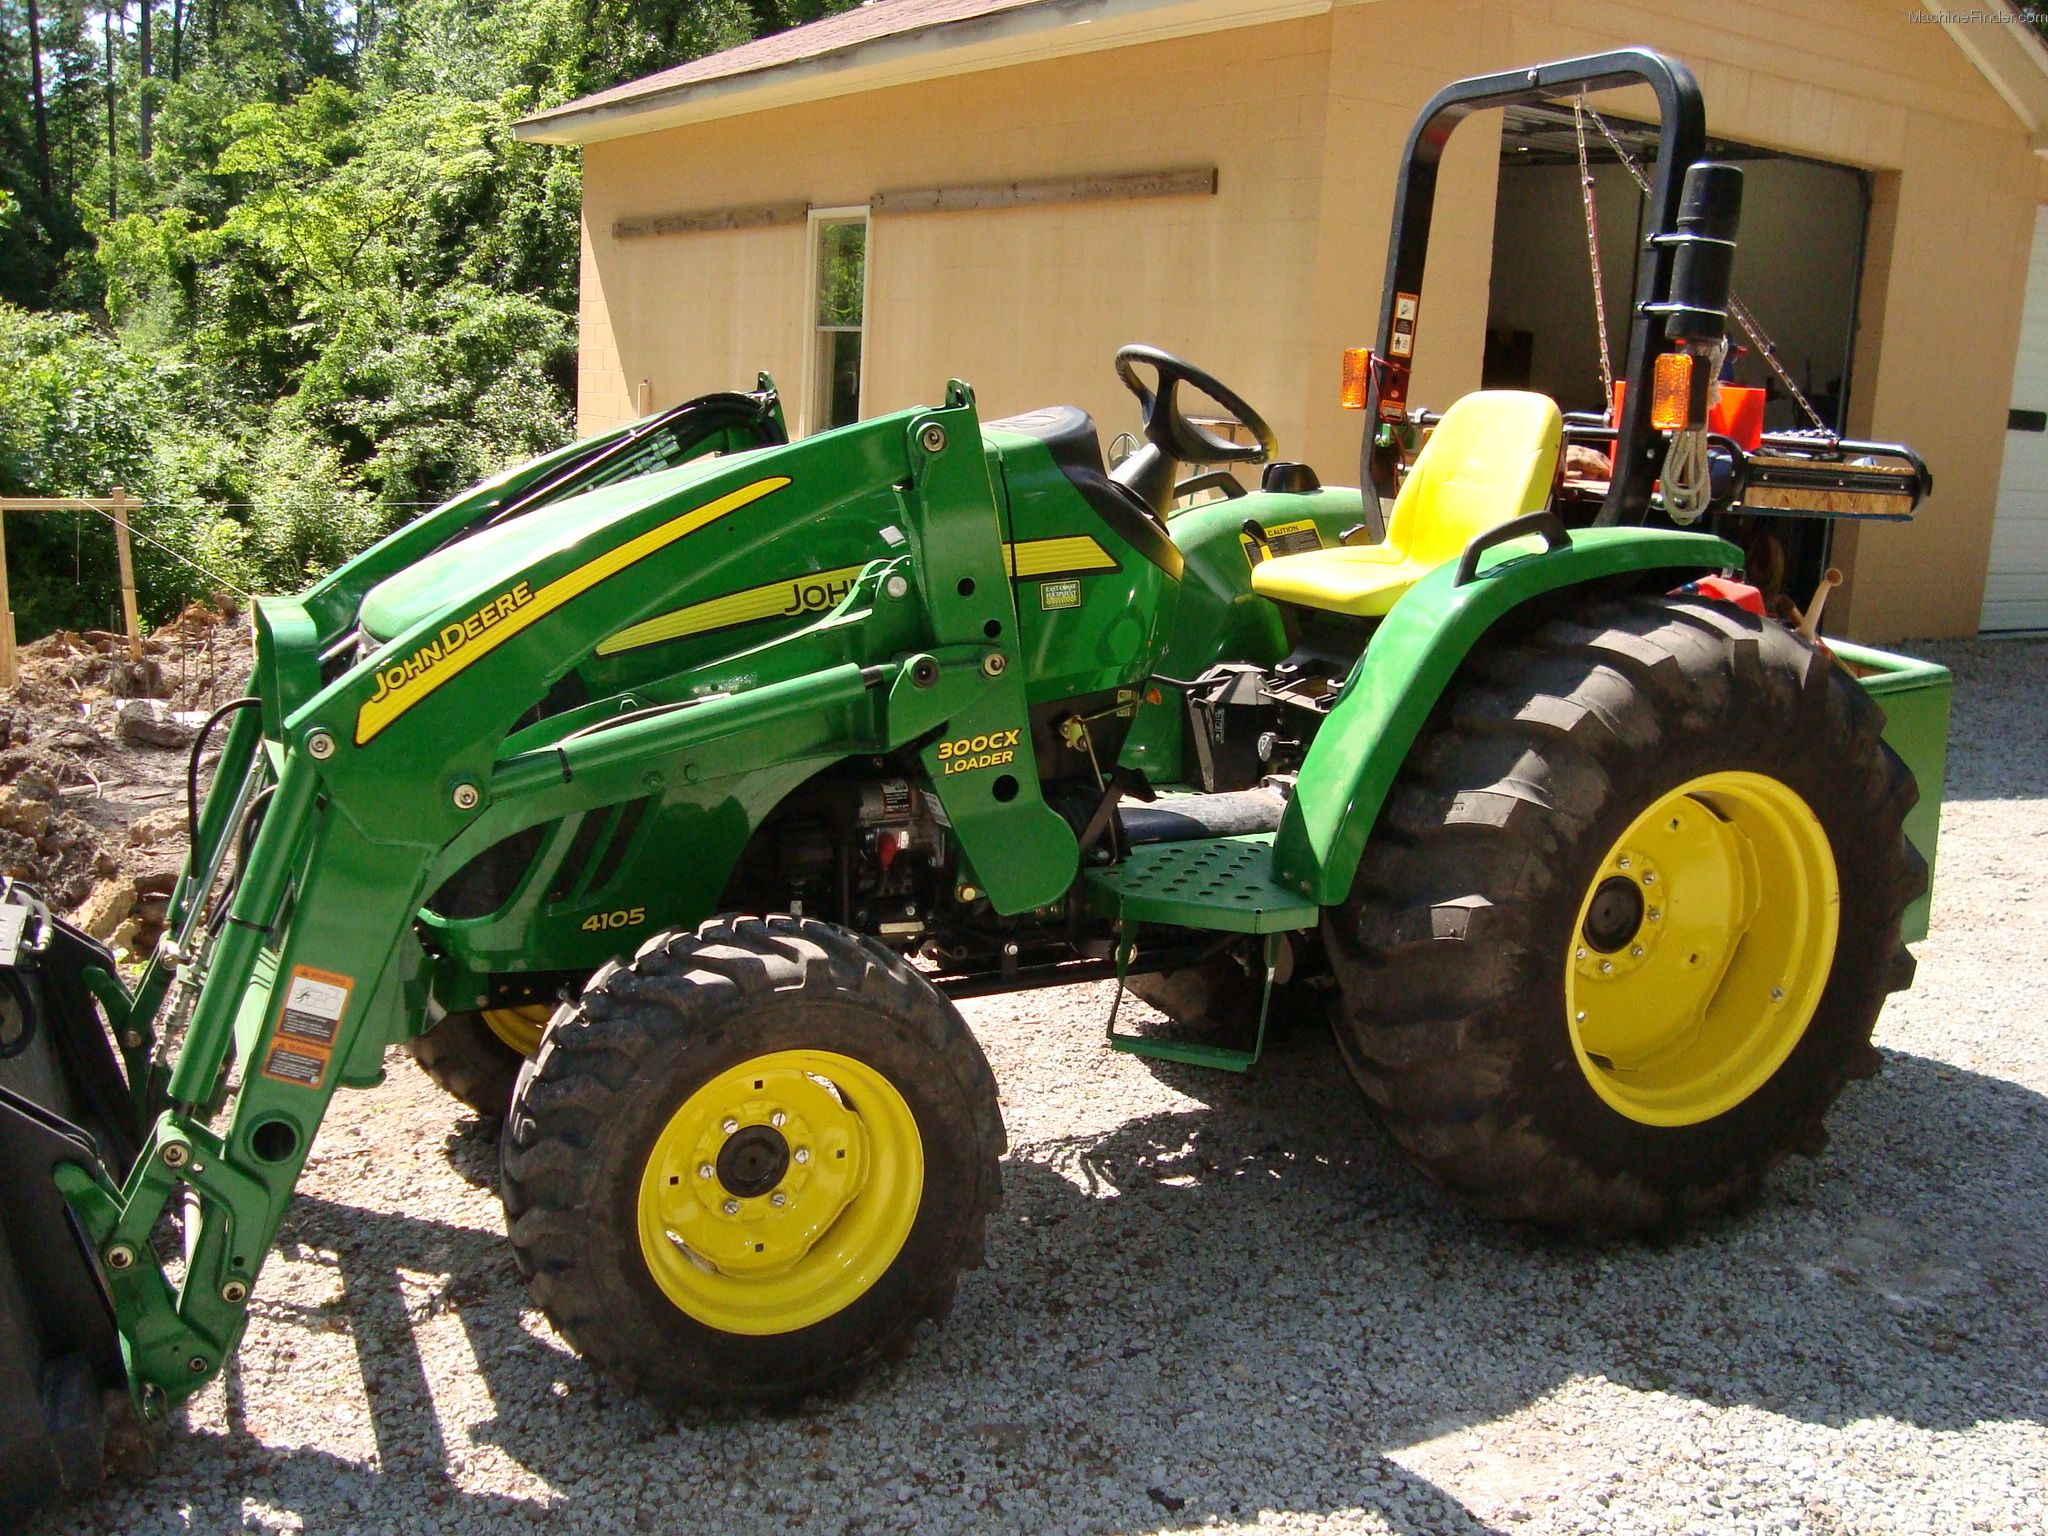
{"points": [[64, 1112]]}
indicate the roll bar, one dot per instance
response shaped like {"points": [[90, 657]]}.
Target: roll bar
{"points": [[1681, 140]]}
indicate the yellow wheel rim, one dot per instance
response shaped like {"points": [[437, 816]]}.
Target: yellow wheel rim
{"points": [[780, 1191], [1701, 949], [520, 1027]]}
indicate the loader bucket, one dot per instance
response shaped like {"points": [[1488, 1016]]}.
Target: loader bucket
{"points": [[62, 1101]]}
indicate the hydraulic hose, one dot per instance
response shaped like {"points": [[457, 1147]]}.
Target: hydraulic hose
{"points": [[192, 772]]}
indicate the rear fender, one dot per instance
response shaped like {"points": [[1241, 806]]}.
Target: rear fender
{"points": [[1352, 763]]}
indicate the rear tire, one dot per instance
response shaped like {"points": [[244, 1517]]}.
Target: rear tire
{"points": [[1207, 998], [799, 1064], [1473, 916], [467, 1059]]}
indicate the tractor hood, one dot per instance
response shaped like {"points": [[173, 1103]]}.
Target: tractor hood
{"points": [[488, 560]]}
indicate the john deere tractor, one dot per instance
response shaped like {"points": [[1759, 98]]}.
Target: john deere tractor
{"points": [[663, 796]]}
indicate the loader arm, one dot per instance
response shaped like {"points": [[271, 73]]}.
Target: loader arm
{"points": [[348, 800]]}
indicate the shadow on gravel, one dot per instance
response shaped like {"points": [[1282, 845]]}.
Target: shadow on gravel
{"points": [[1257, 1305], [1904, 1274]]}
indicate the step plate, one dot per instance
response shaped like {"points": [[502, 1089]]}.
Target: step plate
{"points": [[1220, 883]]}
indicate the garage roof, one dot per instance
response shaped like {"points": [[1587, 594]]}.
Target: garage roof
{"points": [[893, 42], [886, 42]]}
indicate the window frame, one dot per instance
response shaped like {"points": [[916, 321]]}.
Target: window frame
{"points": [[815, 405]]}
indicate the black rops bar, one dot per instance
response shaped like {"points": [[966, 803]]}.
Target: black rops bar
{"points": [[1681, 140]]}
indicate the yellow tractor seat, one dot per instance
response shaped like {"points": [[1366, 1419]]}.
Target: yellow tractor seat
{"points": [[1492, 458]]}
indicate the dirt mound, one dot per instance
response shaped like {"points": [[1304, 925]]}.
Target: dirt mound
{"points": [[94, 745]]}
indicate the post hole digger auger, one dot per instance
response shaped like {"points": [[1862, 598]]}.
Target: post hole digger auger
{"points": [[663, 795]]}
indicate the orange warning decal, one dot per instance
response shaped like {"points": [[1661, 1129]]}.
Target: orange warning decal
{"points": [[307, 1024]]}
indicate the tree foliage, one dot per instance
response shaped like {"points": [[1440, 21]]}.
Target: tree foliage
{"points": [[286, 274]]}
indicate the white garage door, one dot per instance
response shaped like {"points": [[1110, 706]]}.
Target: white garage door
{"points": [[2016, 585]]}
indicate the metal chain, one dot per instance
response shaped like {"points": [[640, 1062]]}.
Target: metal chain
{"points": [[1579, 110], [1739, 310]]}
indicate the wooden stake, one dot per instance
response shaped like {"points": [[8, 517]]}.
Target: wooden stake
{"points": [[129, 618], [646, 397]]}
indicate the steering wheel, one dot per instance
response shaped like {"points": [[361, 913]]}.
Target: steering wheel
{"points": [[1170, 437]]}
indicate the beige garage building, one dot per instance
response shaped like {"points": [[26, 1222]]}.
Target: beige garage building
{"points": [[1006, 190]]}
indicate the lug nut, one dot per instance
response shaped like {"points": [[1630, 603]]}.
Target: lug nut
{"points": [[1777, 994], [778, 1199], [465, 797], [1623, 861], [1649, 877], [730, 1125], [175, 1154], [1580, 1016], [731, 1207], [778, 1119], [705, 1170], [198, 1365], [1655, 913], [1581, 954], [1636, 950], [319, 746], [801, 1155], [234, 1291], [1606, 966], [120, 1256]]}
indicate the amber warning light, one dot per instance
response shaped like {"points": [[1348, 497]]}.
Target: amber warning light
{"points": [[1357, 375], [1671, 392]]}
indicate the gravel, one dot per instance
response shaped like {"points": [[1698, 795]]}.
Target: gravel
{"points": [[1223, 1302]]}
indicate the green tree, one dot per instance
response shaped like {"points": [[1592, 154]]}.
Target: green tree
{"points": [[332, 287]]}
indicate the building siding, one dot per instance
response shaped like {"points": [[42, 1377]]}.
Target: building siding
{"points": [[1266, 282]]}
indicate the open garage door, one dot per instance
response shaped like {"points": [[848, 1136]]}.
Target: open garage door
{"points": [[1798, 268], [2016, 583]]}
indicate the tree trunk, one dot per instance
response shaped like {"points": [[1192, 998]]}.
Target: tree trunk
{"points": [[42, 113], [115, 11], [142, 101], [177, 37]]}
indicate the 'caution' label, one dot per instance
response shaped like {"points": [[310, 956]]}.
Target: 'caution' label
{"points": [[307, 1024]]}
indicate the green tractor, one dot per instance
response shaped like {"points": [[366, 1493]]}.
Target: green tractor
{"points": [[665, 794]]}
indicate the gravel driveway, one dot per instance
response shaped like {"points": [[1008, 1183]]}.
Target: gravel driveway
{"points": [[1215, 1302]]}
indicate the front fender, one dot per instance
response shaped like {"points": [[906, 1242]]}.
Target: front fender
{"points": [[1352, 763]]}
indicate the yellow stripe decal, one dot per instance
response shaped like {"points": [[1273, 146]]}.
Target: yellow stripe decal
{"points": [[778, 599], [1042, 557], [403, 684]]}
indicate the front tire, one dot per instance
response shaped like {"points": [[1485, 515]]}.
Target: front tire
{"points": [[1633, 907], [750, 1161]]}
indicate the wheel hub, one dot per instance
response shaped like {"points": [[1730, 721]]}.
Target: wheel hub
{"points": [[1614, 915], [753, 1161], [1703, 946], [780, 1190]]}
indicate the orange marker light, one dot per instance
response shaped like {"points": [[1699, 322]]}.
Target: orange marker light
{"points": [[1671, 391], [1357, 375]]}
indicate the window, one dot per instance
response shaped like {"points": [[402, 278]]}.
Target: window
{"points": [[840, 267]]}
